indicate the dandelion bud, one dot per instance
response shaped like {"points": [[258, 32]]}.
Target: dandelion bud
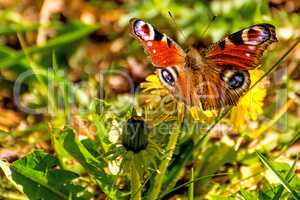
{"points": [[135, 136]]}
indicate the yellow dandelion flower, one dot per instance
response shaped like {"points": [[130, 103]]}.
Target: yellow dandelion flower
{"points": [[152, 83], [162, 106], [202, 115], [250, 105]]}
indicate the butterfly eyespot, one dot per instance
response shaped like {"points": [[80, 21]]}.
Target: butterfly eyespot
{"points": [[168, 76], [236, 80]]}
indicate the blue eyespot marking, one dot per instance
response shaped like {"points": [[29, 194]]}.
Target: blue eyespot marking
{"points": [[236, 80], [167, 77]]}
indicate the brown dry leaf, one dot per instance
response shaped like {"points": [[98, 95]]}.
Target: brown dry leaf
{"points": [[6, 3], [138, 71], [9, 118], [81, 127]]}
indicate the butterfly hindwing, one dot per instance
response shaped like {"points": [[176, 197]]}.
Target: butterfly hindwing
{"points": [[162, 49], [218, 89], [242, 50], [231, 58]]}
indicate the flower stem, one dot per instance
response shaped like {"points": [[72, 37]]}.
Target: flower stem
{"points": [[165, 163], [135, 183]]}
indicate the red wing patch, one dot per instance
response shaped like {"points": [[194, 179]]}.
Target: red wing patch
{"points": [[163, 50], [242, 50]]}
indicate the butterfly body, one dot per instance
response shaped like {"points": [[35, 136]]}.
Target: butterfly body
{"points": [[216, 76]]}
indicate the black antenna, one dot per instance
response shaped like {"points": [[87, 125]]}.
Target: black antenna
{"points": [[176, 26], [206, 29]]}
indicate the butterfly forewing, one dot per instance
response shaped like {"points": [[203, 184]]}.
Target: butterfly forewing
{"points": [[162, 49], [242, 50]]}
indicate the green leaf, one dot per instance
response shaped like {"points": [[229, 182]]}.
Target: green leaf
{"points": [[284, 183], [158, 179], [264, 196], [213, 158], [63, 156], [8, 173], [94, 166], [184, 156], [247, 195], [36, 177]]}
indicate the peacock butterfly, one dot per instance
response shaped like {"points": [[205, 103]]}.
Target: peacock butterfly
{"points": [[218, 75]]}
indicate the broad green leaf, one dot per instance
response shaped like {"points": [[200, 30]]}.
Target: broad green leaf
{"points": [[36, 176], [63, 156], [94, 166], [8, 173]]}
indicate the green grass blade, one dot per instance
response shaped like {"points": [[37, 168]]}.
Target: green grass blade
{"points": [[188, 183], [191, 186], [16, 28], [284, 183], [64, 39], [246, 195], [52, 43], [7, 51], [288, 177], [271, 69]]}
